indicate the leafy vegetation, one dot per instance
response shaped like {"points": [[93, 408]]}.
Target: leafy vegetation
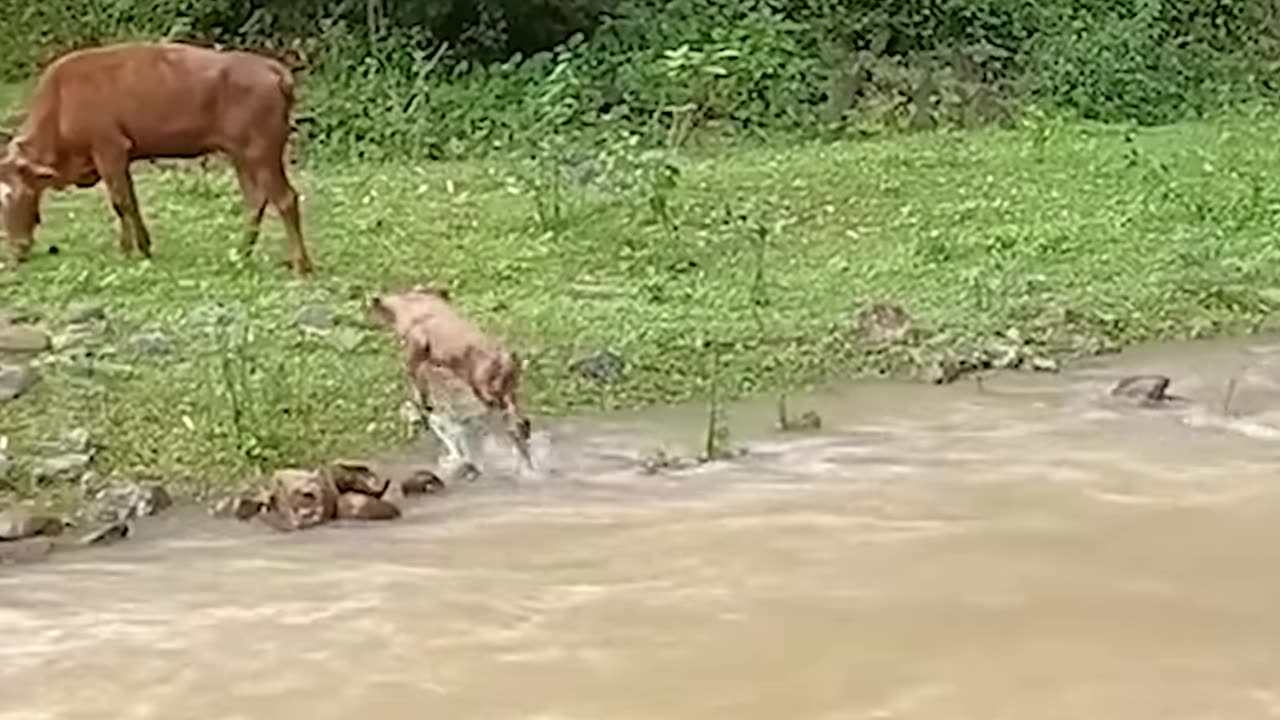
{"points": [[463, 78]]}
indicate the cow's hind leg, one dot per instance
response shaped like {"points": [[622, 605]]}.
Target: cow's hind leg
{"points": [[273, 182], [255, 201], [113, 166]]}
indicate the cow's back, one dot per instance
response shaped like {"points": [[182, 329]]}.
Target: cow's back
{"points": [[169, 99]]}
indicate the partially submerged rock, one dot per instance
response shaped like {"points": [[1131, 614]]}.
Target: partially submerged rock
{"points": [[127, 500], [25, 551], [422, 482], [356, 476], [19, 524], [240, 507], [1146, 390], [359, 506], [108, 533]]}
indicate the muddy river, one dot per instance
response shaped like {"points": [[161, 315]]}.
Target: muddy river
{"points": [[1019, 550]]}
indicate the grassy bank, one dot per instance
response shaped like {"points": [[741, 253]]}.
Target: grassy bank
{"points": [[1074, 237]]}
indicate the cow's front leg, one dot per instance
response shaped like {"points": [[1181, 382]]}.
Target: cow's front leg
{"points": [[113, 166]]}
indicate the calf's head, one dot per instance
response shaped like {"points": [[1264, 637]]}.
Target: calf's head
{"points": [[388, 311], [22, 181]]}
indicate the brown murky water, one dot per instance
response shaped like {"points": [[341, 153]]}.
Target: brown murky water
{"points": [[1020, 552]]}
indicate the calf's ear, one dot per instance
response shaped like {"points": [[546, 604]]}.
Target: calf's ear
{"points": [[379, 311]]}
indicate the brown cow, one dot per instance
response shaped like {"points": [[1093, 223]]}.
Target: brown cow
{"points": [[95, 111], [436, 335]]}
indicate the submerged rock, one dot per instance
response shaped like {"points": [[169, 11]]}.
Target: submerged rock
{"points": [[25, 551], [359, 506]]}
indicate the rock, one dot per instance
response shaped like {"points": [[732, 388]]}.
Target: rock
{"points": [[658, 460], [358, 506], [23, 339], [76, 440], [108, 533], [346, 339], [25, 551], [84, 312], [15, 380], [884, 324], [68, 467], [1006, 357], [1044, 364], [1146, 390], [150, 343], [78, 336], [605, 367], [356, 476], [125, 501], [301, 499], [941, 370], [16, 524], [422, 482], [314, 318], [240, 507]]}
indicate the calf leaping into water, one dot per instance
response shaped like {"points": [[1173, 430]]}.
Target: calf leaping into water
{"points": [[436, 336]]}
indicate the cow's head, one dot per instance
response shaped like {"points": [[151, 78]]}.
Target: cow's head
{"points": [[22, 180]]}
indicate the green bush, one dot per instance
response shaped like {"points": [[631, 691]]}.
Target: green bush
{"points": [[463, 77]]}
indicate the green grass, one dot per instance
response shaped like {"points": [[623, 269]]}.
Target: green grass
{"points": [[1074, 236]]}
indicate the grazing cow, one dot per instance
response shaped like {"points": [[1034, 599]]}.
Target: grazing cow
{"points": [[95, 111], [436, 335]]}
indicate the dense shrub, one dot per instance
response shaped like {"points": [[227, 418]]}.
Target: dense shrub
{"points": [[456, 77]]}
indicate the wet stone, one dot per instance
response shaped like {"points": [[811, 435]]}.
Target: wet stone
{"points": [[422, 482]]}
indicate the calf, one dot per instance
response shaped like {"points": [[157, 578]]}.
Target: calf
{"points": [[436, 335], [93, 112]]}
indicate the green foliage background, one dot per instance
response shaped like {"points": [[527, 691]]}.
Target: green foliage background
{"points": [[459, 78]]}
